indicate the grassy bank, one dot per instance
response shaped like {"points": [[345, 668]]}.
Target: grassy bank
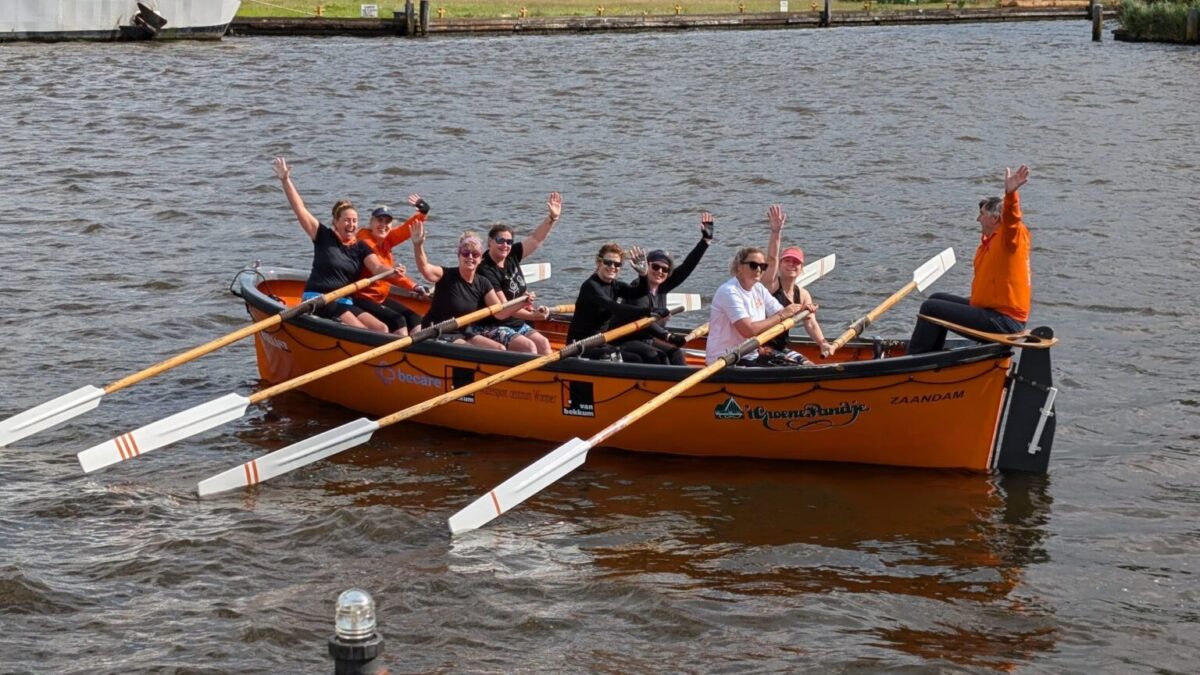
{"points": [[512, 8], [1162, 20]]}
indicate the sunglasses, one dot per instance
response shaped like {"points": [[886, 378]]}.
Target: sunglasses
{"points": [[760, 266], [614, 264], [468, 253], [502, 241], [657, 267]]}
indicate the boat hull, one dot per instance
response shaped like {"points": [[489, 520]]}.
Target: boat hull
{"points": [[108, 20], [931, 411]]}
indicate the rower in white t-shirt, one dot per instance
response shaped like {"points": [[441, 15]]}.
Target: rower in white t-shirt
{"points": [[743, 307]]}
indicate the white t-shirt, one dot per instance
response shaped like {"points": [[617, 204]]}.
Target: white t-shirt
{"points": [[732, 303]]}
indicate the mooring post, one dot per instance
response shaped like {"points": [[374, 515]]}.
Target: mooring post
{"points": [[409, 19], [1097, 21], [424, 18], [1193, 25], [825, 15]]}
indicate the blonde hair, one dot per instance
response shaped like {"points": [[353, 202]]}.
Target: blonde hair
{"points": [[340, 207], [741, 255]]}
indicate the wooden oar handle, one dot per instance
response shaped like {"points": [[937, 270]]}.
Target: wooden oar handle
{"points": [[698, 332], [869, 318]]}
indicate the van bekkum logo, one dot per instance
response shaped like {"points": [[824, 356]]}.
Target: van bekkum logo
{"points": [[812, 417]]}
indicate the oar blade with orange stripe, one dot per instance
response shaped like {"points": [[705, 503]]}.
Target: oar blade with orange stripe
{"points": [[285, 459], [164, 432], [530, 481]]}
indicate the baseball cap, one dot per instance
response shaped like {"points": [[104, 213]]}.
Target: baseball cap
{"points": [[381, 211]]}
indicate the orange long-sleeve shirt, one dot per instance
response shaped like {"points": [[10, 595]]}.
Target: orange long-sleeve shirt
{"points": [[1003, 280], [378, 291]]}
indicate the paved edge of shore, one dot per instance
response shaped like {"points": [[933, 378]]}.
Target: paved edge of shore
{"points": [[320, 26]]}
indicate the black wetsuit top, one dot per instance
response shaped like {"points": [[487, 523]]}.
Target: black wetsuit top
{"points": [[659, 298], [599, 304]]}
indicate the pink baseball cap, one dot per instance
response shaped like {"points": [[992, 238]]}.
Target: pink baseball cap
{"points": [[793, 252]]}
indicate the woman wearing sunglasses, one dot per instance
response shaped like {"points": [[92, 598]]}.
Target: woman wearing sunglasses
{"points": [[337, 255], [780, 278], [742, 308], [502, 266], [662, 278], [599, 307], [459, 290]]}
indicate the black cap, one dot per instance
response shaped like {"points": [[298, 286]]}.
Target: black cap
{"points": [[381, 211]]}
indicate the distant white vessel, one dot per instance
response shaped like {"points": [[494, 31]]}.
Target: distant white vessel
{"points": [[114, 19]]}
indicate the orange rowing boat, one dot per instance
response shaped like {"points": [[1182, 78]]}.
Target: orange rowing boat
{"points": [[974, 407]]}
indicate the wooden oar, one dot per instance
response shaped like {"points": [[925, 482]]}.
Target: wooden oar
{"points": [[811, 273], [360, 431], [63, 408], [923, 276], [1021, 340], [689, 302], [232, 406], [572, 454]]}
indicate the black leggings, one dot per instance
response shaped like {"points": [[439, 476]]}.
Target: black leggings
{"points": [[928, 337], [392, 313]]}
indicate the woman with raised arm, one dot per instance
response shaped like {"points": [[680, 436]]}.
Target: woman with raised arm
{"points": [[381, 236], [337, 255], [662, 278], [502, 266], [460, 290], [742, 308], [780, 279]]}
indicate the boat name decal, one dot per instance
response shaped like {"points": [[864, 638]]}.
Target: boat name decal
{"points": [[811, 417], [579, 399], [389, 376], [930, 398], [275, 342]]}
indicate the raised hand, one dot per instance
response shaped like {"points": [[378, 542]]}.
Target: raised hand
{"points": [[418, 234], [554, 206], [421, 204], [637, 260], [282, 170], [777, 217], [706, 226], [1012, 181]]}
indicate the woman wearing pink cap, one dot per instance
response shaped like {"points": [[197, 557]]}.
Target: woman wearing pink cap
{"points": [[780, 279]]}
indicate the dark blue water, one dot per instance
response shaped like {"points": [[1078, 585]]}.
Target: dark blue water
{"points": [[136, 180]]}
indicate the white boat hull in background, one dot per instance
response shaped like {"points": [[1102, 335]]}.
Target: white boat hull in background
{"points": [[112, 19]]}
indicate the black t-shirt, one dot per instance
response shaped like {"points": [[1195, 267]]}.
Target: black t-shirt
{"points": [[508, 280], [658, 299], [453, 296], [780, 341], [334, 264]]}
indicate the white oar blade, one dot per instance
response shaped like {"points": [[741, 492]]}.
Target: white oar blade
{"points": [[931, 271], [292, 457], [50, 413], [535, 272], [689, 301], [164, 432], [530, 481], [816, 270]]}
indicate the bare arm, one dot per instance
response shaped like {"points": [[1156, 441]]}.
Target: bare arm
{"points": [[553, 210], [748, 329], [307, 221], [375, 266], [494, 298], [812, 327], [431, 272], [777, 218]]}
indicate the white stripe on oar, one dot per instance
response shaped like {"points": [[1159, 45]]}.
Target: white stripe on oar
{"points": [[164, 432], [572, 454], [232, 406], [535, 272], [50, 413], [279, 462], [311, 450], [63, 408]]}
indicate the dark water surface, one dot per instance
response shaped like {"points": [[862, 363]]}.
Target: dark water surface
{"points": [[135, 180]]}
